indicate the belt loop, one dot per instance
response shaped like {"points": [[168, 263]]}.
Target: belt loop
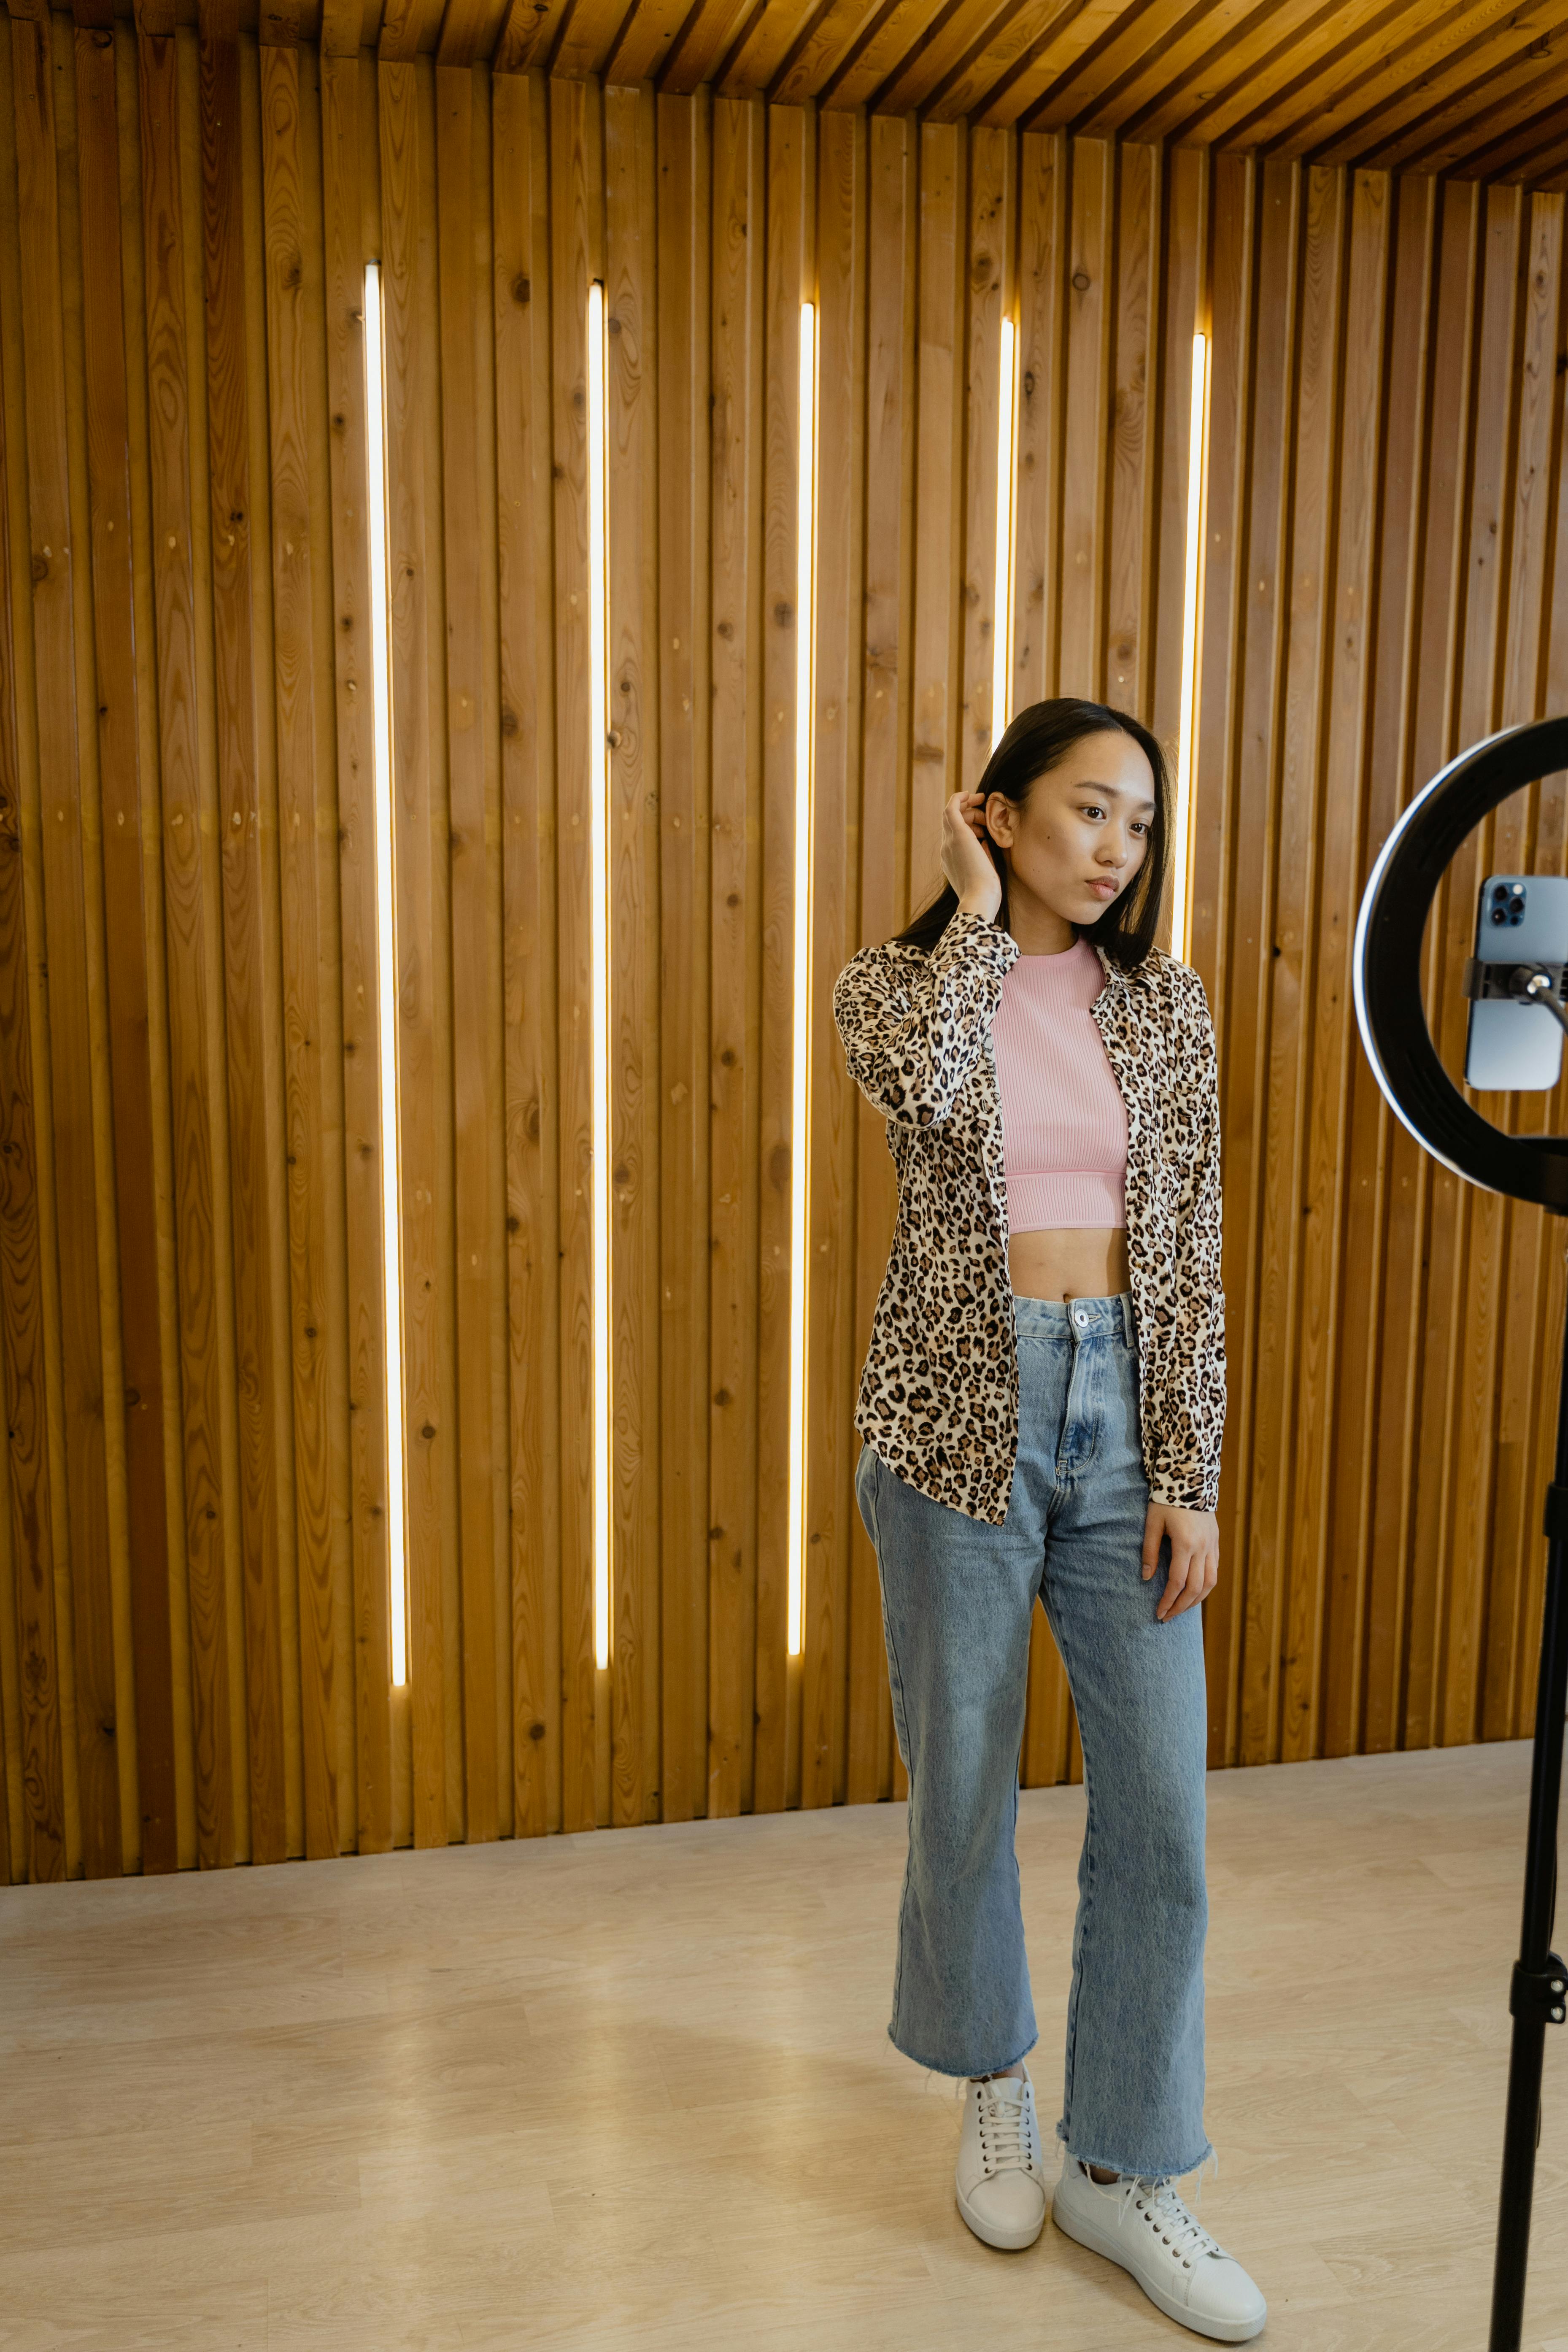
{"points": [[1128, 1333]]}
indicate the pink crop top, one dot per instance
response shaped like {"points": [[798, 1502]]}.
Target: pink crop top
{"points": [[1064, 1123]]}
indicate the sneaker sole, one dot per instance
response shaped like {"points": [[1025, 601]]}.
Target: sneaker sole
{"points": [[1222, 2331], [1009, 2242]]}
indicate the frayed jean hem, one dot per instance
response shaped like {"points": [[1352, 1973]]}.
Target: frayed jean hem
{"points": [[962, 2074], [1142, 2171]]}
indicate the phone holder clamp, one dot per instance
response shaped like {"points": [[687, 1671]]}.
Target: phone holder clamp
{"points": [[1540, 983]]}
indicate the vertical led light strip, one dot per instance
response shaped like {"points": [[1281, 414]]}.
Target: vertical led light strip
{"points": [[1002, 605], [386, 967], [804, 704], [598, 786], [1197, 440]]}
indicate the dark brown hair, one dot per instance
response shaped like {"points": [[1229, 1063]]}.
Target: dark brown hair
{"points": [[1036, 740]]}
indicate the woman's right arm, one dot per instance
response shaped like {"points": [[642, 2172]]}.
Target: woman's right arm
{"points": [[913, 1028]]}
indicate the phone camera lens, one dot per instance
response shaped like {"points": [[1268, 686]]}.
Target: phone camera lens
{"points": [[1499, 916]]}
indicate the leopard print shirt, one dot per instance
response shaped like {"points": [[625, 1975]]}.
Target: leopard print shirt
{"points": [[938, 1394]]}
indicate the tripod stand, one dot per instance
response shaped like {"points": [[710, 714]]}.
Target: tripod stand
{"points": [[1539, 1993], [1393, 1020], [1540, 1986]]}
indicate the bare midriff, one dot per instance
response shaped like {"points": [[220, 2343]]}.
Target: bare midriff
{"points": [[1069, 1261]]}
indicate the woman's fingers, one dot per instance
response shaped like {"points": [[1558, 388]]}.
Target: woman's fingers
{"points": [[971, 807], [1194, 1538], [966, 857], [1175, 1584], [1185, 1587]]}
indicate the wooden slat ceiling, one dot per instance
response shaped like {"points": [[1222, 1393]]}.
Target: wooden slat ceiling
{"points": [[1477, 88]]}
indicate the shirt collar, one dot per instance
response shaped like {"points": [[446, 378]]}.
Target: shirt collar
{"points": [[1118, 974]]}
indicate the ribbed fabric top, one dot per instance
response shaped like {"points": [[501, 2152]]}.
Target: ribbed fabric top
{"points": [[1064, 1123]]}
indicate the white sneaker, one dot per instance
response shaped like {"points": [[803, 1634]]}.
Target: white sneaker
{"points": [[1145, 2227], [1001, 2177]]}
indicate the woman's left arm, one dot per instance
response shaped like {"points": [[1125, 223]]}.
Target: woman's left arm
{"points": [[1186, 1490]]}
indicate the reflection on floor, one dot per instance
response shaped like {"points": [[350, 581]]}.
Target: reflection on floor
{"points": [[634, 2090]]}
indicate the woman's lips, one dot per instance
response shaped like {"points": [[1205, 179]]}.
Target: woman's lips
{"points": [[1106, 889]]}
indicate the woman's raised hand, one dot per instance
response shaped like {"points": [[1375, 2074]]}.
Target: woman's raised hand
{"points": [[967, 858]]}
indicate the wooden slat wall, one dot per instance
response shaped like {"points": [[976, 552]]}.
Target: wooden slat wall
{"points": [[195, 1648], [1384, 485]]}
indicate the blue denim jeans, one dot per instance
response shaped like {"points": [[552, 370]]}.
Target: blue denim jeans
{"points": [[957, 1598]]}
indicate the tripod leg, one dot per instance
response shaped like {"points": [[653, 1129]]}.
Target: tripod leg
{"points": [[1522, 2119]]}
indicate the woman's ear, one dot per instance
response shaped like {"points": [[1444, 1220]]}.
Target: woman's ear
{"points": [[1000, 818]]}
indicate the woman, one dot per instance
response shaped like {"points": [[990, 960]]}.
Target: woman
{"points": [[1042, 1406]]}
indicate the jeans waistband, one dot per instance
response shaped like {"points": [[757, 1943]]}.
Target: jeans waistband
{"points": [[1076, 1318]]}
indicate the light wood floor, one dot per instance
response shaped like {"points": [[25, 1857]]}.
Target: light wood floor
{"points": [[635, 2090]]}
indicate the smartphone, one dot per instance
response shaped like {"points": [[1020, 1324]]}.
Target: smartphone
{"points": [[1521, 919]]}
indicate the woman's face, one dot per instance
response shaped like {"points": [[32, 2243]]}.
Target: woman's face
{"points": [[1080, 839]]}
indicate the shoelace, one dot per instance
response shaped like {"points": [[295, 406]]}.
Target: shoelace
{"points": [[1004, 2136], [1158, 2205]]}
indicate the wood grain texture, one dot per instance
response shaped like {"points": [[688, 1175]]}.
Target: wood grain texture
{"points": [[124, 855], [64, 793], [1044, 183], [832, 1365], [1179, 301], [1326, 1555], [467, 374], [527, 690], [1343, 67], [790, 217], [940, 477], [1133, 572], [632, 830], [706, 34], [1305, 422], [1436, 732], [1392, 756], [987, 278], [1305, 911], [247, 851], [528, 36], [1255, 280], [1488, 554], [348, 106], [469, 29], [189, 921], [643, 41], [575, 259], [734, 1078], [1387, 85], [1228, 309], [685, 670], [1202, 89], [34, 1737], [999, 41], [876, 890], [307, 830], [421, 870], [1088, 442]]}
